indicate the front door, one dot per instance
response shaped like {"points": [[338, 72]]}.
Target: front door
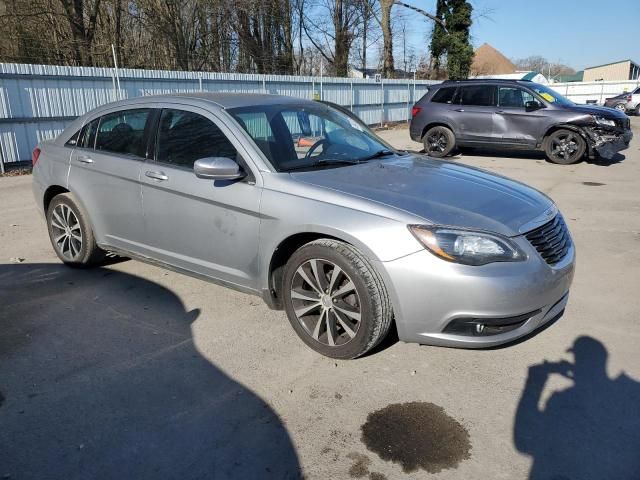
{"points": [[105, 174], [512, 123], [209, 227]]}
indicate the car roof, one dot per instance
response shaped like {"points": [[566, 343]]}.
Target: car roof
{"points": [[487, 80], [221, 99]]}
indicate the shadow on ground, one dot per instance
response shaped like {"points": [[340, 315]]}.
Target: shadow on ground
{"points": [[590, 430], [100, 378]]}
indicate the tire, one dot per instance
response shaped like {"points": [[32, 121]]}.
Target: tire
{"points": [[347, 322], [621, 107], [638, 110], [70, 232], [564, 147], [439, 142]]}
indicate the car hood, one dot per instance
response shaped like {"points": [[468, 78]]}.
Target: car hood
{"points": [[442, 193], [597, 110]]}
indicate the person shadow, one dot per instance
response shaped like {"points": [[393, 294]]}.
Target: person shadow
{"points": [[590, 430], [100, 379]]}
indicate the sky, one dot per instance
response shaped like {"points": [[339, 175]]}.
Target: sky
{"points": [[578, 33]]}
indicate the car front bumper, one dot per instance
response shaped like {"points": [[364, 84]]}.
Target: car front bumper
{"points": [[607, 144], [428, 294]]}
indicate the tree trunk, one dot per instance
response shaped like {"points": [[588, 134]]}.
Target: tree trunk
{"points": [[388, 68]]}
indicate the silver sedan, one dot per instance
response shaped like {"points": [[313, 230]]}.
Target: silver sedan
{"points": [[300, 203]]}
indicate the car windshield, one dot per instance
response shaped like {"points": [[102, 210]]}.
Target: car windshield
{"points": [[551, 96], [307, 136]]}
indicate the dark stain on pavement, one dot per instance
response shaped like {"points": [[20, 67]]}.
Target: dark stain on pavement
{"points": [[416, 435], [1, 399], [593, 184]]}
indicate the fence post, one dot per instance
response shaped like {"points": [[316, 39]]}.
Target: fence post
{"points": [[321, 73], [382, 104], [351, 82], [408, 102], [264, 85], [1, 160], [115, 65], [601, 92]]}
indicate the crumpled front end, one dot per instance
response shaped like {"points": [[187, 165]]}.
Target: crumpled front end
{"points": [[607, 141]]}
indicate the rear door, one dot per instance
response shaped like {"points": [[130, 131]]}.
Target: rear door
{"points": [[209, 227], [474, 110], [512, 123], [105, 174]]}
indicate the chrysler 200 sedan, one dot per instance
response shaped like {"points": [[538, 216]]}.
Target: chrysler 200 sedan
{"points": [[300, 203]]}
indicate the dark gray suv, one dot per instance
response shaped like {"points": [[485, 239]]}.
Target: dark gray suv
{"points": [[516, 114]]}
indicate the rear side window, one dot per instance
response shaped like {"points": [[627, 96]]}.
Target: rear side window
{"points": [[123, 132], [480, 95], [444, 95], [184, 137], [87, 136]]}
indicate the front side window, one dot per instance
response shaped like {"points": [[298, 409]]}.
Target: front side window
{"points": [[123, 132], [478, 95], [184, 137], [295, 137], [550, 95], [513, 97]]}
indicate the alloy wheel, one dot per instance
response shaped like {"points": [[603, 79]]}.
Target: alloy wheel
{"points": [[565, 147], [66, 232], [326, 302], [437, 141], [622, 107]]}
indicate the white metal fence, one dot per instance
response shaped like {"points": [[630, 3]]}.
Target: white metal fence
{"points": [[38, 101], [588, 92]]}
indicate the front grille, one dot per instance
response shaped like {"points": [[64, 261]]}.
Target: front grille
{"points": [[551, 240]]}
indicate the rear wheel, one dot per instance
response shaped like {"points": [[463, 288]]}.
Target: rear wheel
{"points": [[335, 300], [564, 147], [638, 110], [439, 141], [70, 233], [621, 107]]}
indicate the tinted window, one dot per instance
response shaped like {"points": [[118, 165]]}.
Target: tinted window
{"points": [[123, 132], [481, 95], [87, 136], [185, 137], [513, 97], [444, 95]]}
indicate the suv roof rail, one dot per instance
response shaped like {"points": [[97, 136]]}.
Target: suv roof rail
{"points": [[487, 80]]}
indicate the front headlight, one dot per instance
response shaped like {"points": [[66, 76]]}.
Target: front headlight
{"points": [[604, 121], [466, 246]]}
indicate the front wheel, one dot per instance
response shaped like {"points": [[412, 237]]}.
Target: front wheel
{"points": [[70, 233], [621, 107], [335, 300], [564, 147], [439, 142]]}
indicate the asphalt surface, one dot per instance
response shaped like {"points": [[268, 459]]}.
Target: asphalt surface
{"points": [[131, 371]]}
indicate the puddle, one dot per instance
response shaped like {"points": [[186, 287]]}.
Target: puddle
{"points": [[593, 184], [417, 435]]}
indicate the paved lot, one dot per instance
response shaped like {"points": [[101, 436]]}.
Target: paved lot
{"points": [[130, 371]]}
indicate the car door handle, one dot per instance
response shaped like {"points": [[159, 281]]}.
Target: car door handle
{"points": [[500, 111], [157, 176], [85, 159], [459, 109]]}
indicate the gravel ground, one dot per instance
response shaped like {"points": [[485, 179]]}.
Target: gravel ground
{"points": [[131, 371]]}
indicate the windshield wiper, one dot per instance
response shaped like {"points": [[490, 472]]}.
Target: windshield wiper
{"points": [[321, 163], [378, 154]]}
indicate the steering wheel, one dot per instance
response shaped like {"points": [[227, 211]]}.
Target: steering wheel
{"points": [[313, 147]]}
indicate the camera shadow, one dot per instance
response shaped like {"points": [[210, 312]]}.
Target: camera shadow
{"points": [[590, 430], [100, 379]]}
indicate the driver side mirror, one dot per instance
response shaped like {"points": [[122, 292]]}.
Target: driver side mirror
{"points": [[217, 168], [532, 105]]}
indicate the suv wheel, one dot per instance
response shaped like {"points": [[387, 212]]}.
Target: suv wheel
{"points": [[638, 110], [564, 147], [439, 142], [335, 300], [71, 236]]}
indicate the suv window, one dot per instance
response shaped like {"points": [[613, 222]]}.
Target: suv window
{"points": [[123, 132], [513, 97], [444, 95], [481, 95], [184, 137]]}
